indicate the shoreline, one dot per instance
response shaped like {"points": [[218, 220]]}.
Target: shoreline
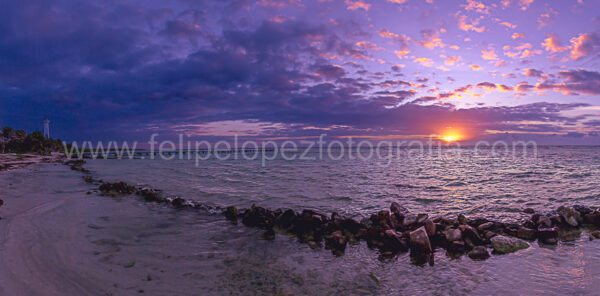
{"points": [[12, 161]]}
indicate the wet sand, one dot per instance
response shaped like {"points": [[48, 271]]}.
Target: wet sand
{"points": [[10, 161]]}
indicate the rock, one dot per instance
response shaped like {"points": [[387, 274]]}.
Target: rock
{"points": [[471, 233], [366, 222], [570, 215], [529, 211], [457, 246], [453, 235], [382, 219], [543, 221], [285, 219], [593, 218], [336, 241], [307, 222], [596, 234], [583, 210], [178, 202], [529, 224], [489, 234], [351, 225], [556, 219], [419, 241], [409, 219], [398, 210], [395, 242], [430, 227], [462, 219], [150, 195], [526, 233], [116, 188], [231, 213], [511, 229], [477, 221], [548, 235], [485, 226], [258, 217], [479, 253], [504, 245], [421, 218]]}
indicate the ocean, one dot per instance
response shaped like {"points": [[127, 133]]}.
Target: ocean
{"points": [[130, 246]]}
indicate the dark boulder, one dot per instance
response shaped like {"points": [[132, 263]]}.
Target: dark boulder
{"points": [[583, 210], [336, 241], [471, 233], [150, 195], [453, 234], [529, 224], [419, 241], [430, 227], [548, 235], [395, 242], [231, 213], [593, 218], [307, 222], [116, 188], [485, 226], [421, 218], [409, 220], [479, 253], [178, 202], [456, 246], [543, 221], [398, 210], [526, 233], [462, 219], [570, 215], [258, 217], [382, 219], [285, 219]]}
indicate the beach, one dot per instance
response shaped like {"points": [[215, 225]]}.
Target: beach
{"points": [[60, 236], [11, 161]]}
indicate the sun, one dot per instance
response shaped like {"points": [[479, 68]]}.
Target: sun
{"points": [[451, 134], [450, 138]]}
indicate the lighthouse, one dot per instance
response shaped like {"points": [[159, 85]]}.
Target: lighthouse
{"points": [[46, 128]]}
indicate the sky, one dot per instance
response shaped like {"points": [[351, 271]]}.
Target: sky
{"points": [[294, 69]]}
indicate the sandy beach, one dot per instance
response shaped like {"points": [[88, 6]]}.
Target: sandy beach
{"points": [[11, 161]]}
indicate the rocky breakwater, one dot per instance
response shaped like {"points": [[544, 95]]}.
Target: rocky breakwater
{"points": [[396, 230]]}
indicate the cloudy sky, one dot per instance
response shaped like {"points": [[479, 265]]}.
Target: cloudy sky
{"points": [[122, 69]]}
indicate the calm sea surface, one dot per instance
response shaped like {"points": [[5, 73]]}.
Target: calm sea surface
{"points": [[232, 259], [190, 252]]}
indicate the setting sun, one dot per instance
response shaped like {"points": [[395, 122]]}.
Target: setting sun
{"points": [[450, 138], [451, 134]]}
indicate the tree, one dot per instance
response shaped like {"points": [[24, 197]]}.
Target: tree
{"points": [[8, 133]]}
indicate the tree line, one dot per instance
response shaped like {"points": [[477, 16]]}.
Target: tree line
{"points": [[18, 141]]}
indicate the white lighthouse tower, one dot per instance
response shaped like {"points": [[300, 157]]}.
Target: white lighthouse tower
{"points": [[46, 128]]}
